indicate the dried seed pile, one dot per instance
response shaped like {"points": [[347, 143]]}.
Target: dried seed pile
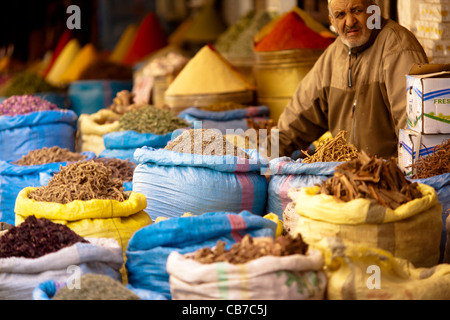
{"points": [[49, 155], [35, 238], [83, 181], [150, 119], [205, 142], [223, 106], [336, 149], [250, 249], [121, 169], [434, 165], [19, 105], [371, 178], [96, 287]]}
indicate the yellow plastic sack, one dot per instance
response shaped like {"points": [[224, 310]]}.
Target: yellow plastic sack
{"points": [[412, 231], [92, 127], [362, 273], [93, 219]]}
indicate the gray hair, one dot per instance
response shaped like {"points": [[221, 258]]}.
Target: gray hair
{"points": [[369, 3]]}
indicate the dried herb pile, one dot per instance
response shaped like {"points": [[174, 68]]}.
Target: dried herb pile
{"points": [[336, 149], [49, 155], [371, 178], [150, 119], [250, 249], [434, 165], [35, 238], [121, 169], [87, 180], [96, 287], [205, 142], [223, 106], [29, 83]]}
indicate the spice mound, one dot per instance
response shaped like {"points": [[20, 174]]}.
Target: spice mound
{"points": [[20, 105], [121, 169], [96, 287], [371, 178], [205, 142], [150, 119], [251, 249], [49, 155], [336, 149], [434, 165], [83, 181], [35, 238]]}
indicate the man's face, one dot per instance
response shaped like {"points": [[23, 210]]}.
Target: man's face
{"points": [[349, 18]]}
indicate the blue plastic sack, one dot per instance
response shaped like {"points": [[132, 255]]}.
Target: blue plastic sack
{"points": [[21, 134], [149, 248], [123, 144], [175, 183], [89, 96], [14, 178], [287, 174], [441, 184], [225, 120]]}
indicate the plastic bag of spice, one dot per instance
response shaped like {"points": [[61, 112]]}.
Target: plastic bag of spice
{"points": [[287, 174], [287, 276], [367, 273], [441, 184], [150, 247], [15, 177], [175, 182], [19, 276], [94, 218], [20, 134], [92, 128], [412, 231]]}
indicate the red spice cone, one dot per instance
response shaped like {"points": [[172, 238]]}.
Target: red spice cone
{"points": [[149, 38], [65, 38], [291, 32]]}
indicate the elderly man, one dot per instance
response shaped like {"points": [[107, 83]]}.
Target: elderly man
{"points": [[357, 85]]}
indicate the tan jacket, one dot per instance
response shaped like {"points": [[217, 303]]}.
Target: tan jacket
{"points": [[362, 91]]}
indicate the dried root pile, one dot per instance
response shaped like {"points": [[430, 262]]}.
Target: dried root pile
{"points": [[336, 149], [371, 178], [121, 169], [250, 249], [434, 165], [49, 155], [83, 181]]}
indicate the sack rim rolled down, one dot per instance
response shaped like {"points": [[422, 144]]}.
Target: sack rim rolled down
{"points": [[38, 118], [78, 209], [368, 211]]}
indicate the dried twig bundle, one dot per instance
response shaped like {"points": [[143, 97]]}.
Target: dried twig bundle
{"points": [[434, 165], [49, 155], [83, 181], [336, 149], [371, 178]]}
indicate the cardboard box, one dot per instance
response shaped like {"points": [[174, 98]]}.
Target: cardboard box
{"points": [[439, 12], [414, 145], [428, 99], [432, 30]]}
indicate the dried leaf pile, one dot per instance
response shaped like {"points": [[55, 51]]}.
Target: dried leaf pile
{"points": [[250, 249], [205, 142], [434, 165], [336, 149], [371, 178], [121, 169], [49, 155], [83, 181], [35, 238]]}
